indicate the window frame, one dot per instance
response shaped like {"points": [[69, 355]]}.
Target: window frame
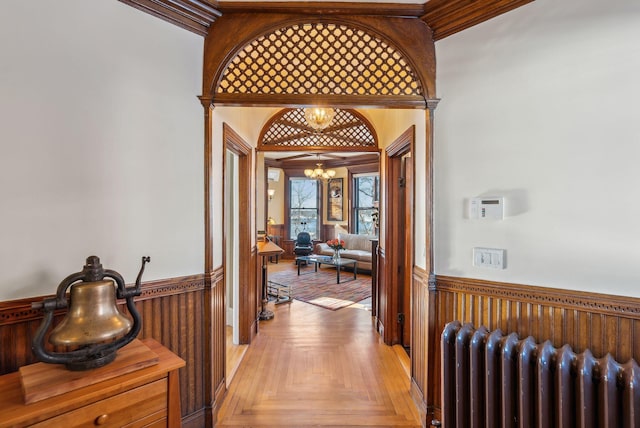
{"points": [[355, 208], [318, 208]]}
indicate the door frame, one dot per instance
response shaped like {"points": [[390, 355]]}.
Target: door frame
{"points": [[246, 302], [394, 256]]}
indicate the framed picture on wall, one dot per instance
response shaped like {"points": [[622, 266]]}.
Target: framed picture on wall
{"points": [[334, 199]]}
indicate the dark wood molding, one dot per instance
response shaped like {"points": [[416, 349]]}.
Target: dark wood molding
{"points": [[605, 304], [365, 167], [208, 183], [325, 8], [402, 144], [343, 101], [368, 162], [171, 286], [196, 16], [246, 176], [444, 17], [392, 211], [447, 17], [420, 274]]}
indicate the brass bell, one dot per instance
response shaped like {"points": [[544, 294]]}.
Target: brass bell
{"points": [[93, 329], [93, 316]]}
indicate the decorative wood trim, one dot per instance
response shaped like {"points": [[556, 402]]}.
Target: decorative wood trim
{"points": [[417, 396], [605, 304], [217, 275], [444, 17], [171, 287], [360, 101], [447, 17], [420, 275], [196, 16], [370, 162], [208, 183], [287, 130], [18, 311], [194, 420], [232, 32], [325, 8], [363, 168]]}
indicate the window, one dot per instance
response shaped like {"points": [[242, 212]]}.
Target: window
{"points": [[303, 207], [366, 190]]}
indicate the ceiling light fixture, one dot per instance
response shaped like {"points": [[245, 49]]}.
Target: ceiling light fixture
{"points": [[319, 173], [319, 117]]}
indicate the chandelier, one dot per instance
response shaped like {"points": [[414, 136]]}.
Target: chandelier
{"points": [[319, 117], [319, 173]]}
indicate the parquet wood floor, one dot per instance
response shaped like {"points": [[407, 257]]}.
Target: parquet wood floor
{"points": [[235, 353], [312, 367]]}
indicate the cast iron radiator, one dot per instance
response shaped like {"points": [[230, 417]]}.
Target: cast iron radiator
{"points": [[492, 380]]}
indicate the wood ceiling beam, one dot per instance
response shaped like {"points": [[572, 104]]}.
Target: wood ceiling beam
{"points": [[447, 17]]}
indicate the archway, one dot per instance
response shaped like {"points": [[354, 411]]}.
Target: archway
{"points": [[300, 61]]}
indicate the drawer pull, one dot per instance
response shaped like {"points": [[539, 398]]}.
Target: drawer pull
{"points": [[101, 420]]}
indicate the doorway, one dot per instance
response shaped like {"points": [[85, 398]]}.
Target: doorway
{"points": [[231, 256], [240, 294], [399, 240]]}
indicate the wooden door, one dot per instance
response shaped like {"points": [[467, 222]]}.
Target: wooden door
{"points": [[394, 300]]}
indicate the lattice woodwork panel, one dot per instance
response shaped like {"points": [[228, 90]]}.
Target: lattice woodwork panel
{"points": [[346, 131], [319, 59]]}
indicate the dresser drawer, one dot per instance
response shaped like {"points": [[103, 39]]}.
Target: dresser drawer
{"points": [[138, 407]]}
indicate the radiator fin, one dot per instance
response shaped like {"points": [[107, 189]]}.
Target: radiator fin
{"points": [[493, 379]]}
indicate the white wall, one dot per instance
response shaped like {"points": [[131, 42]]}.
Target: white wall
{"points": [[541, 105], [100, 143]]}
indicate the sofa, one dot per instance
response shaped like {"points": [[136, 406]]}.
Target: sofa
{"points": [[357, 247]]}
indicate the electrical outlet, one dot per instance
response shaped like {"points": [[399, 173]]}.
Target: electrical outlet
{"points": [[493, 258]]}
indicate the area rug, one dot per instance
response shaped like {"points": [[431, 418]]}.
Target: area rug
{"points": [[320, 288]]}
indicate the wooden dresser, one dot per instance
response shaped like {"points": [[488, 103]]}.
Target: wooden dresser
{"points": [[146, 397]]}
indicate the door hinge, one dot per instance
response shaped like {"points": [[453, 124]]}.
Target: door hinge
{"points": [[402, 182], [400, 318]]}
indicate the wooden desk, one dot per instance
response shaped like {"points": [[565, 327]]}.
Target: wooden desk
{"points": [[146, 397], [266, 249]]}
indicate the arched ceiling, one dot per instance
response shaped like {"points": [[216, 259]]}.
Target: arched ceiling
{"points": [[444, 17]]}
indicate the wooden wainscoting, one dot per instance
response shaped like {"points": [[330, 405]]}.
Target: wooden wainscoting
{"points": [[419, 335], [174, 313], [600, 322]]}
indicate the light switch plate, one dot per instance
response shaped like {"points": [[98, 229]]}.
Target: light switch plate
{"points": [[492, 258]]}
